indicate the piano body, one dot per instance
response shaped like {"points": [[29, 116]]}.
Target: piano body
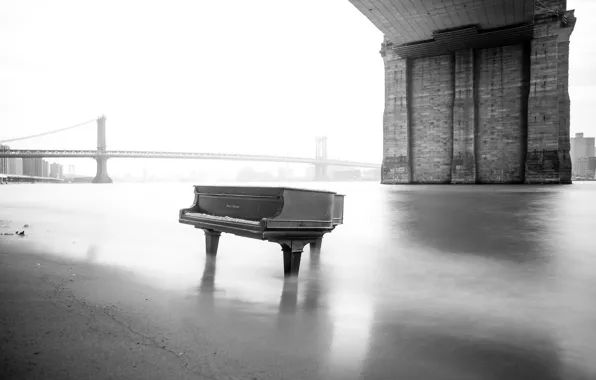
{"points": [[288, 216]]}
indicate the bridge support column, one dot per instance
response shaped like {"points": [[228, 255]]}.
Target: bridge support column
{"points": [[547, 156], [101, 175], [321, 154], [396, 167], [463, 167], [321, 173], [101, 134]]}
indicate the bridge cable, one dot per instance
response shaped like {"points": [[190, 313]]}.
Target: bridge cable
{"points": [[47, 133]]}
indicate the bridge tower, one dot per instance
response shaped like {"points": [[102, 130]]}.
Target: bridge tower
{"points": [[321, 154], [101, 158]]}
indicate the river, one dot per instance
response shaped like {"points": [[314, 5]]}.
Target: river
{"points": [[420, 282]]}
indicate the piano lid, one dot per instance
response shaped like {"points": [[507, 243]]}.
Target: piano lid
{"points": [[254, 203], [256, 190]]}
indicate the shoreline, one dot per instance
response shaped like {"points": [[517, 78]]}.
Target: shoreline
{"points": [[51, 332], [64, 318]]}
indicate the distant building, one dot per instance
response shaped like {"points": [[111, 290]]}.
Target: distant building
{"points": [[28, 166], [10, 165], [33, 167], [45, 168], [585, 167], [581, 147], [56, 170], [37, 167], [4, 161], [15, 166]]}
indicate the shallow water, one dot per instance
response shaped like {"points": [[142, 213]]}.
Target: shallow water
{"points": [[433, 282]]}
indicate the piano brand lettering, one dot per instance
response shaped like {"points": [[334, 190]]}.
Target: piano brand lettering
{"points": [[232, 206]]}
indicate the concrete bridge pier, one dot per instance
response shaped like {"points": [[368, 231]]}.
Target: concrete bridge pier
{"points": [[101, 175]]}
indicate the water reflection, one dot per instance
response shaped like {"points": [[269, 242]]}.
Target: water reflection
{"points": [[92, 253], [336, 326], [207, 285], [417, 345], [505, 225], [309, 279], [352, 319], [438, 317], [288, 302], [314, 286]]}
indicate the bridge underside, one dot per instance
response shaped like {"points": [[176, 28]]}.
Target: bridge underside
{"points": [[476, 90]]}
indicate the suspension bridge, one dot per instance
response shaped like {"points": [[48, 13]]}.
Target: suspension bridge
{"points": [[101, 154]]}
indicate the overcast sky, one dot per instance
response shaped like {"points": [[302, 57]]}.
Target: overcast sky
{"points": [[264, 76]]}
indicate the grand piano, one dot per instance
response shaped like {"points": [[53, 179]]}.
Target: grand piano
{"points": [[288, 216]]}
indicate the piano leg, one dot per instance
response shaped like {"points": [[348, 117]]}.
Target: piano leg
{"points": [[211, 241], [291, 261], [315, 246], [292, 251]]}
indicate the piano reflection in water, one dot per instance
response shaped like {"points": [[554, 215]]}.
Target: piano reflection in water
{"points": [[288, 216]]}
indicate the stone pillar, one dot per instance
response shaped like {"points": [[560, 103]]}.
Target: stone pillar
{"points": [[430, 118], [101, 134], [463, 165], [547, 157], [565, 165], [321, 154], [101, 175], [396, 166]]}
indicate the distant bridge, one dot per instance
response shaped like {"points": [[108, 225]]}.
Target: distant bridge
{"points": [[35, 153], [101, 155]]}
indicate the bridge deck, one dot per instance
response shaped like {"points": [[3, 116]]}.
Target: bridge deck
{"points": [[24, 153]]}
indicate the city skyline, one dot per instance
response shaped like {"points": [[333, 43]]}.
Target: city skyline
{"points": [[36, 167]]}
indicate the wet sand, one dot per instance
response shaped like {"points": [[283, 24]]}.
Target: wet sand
{"points": [[51, 331], [64, 319]]}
